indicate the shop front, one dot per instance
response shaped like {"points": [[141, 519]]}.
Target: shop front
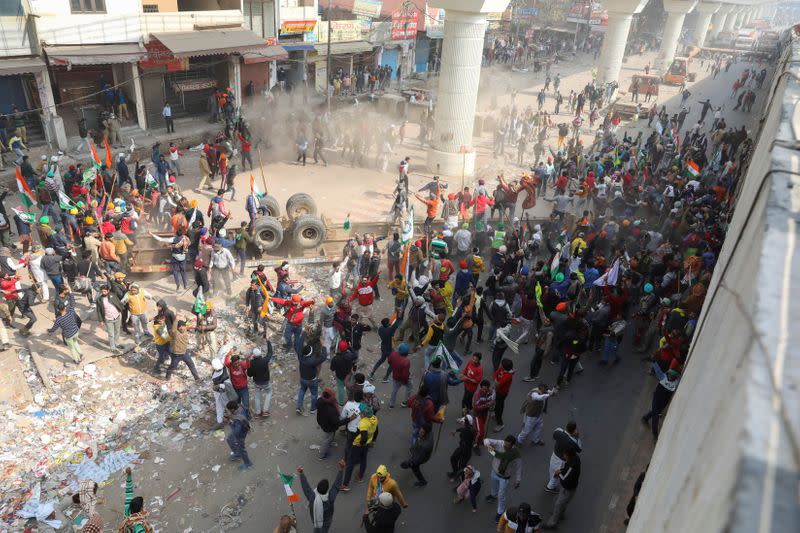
{"points": [[184, 70], [91, 79]]}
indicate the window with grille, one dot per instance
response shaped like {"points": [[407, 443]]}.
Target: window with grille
{"points": [[149, 8], [88, 6]]}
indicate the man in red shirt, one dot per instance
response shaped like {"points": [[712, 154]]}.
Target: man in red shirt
{"points": [[446, 269], [237, 368], [365, 292], [246, 145], [294, 313], [401, 373], [471, 376], [502, 384]]}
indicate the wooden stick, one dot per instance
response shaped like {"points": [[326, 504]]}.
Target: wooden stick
{"points": [[261, 164]]}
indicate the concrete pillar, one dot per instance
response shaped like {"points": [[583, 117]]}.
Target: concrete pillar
{"points": [[451, 150], [235, 76], [718, 21], [739, 20], [704, 10], [54, 130], [620, 15], [730, 21], [138, 94], [676, 13]]}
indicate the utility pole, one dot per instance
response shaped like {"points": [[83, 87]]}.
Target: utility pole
{"points": [[406, 14], [328, 63]]}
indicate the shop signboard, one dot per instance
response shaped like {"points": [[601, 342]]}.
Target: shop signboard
{"points": [[527, 12], [434, 22], [579, 11], [367, 8], [342, 31], [291, 27], [404, 25], [159, 56]]}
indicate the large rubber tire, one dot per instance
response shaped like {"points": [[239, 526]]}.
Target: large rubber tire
{"points": [[308, 231], [268, 234], [300, 204], [273, 206]]}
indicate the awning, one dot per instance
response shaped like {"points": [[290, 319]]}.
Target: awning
{"points": [[210, 42], [21, 65], [95, 54], [270, 53], [298, 47], [355, 47]]}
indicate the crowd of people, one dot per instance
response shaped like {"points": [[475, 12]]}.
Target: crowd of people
{"points": [[626, 256]]}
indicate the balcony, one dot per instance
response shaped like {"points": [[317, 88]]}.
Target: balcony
{"points": [[15, 37], [104, 29]]}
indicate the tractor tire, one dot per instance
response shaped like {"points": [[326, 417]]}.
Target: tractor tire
{"points": [[300, 204], [268, 234], [273, 207], [308, 232]]}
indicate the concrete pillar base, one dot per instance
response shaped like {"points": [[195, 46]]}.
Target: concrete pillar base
{"points": [[55, 133], [451, 164]]}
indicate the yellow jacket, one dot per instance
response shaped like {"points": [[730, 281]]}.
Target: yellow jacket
{"points": [[159, 340], [387, 485], [137, 303]]}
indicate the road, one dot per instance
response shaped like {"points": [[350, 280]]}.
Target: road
{"points": [[606, 402]]}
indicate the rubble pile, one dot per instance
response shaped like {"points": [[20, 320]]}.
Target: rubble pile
{"points": [[90, 417]]}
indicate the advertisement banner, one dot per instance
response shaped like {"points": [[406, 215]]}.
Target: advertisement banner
{"points": [[404, 26], [367, 8], [579, 11], [342, 31], [297, 26], [434, 22], [159, 56], [528, 12]]}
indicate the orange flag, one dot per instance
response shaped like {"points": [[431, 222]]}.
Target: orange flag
{"points": [[109, 157], [95, 155]]}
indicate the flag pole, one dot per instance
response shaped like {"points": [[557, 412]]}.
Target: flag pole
{"points": [[261, 165]]}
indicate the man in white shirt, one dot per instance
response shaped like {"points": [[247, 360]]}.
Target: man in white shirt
{"points": [[352, 412], [222, 267], [463, 239], [167, 114]]}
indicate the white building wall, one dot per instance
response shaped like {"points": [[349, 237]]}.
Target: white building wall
{"points": [[124, 22]]}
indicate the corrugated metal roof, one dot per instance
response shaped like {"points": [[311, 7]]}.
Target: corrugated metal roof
{"points": [[98, 54], [20, 65], [270, 53], [210, 42], [354, 47]]}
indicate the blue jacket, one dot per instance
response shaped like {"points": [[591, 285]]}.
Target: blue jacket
{"points": [[239, 427], [463, 279]]}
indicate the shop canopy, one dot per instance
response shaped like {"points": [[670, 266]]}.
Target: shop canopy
{"points": [[355, 47], [211, 42], [270, 53], [95, 54], [21, 65]]}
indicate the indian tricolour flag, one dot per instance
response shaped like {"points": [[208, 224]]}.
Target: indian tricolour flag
{"points": [[287, 480], [25, 194], [693, 169]]}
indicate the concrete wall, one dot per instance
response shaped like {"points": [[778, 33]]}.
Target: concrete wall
{"points": [[123, 23], [727, 457], [14, 37]]}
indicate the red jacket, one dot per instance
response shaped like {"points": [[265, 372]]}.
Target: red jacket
{"points": [[238, 373], [294, 311], [422, 409], [480, 202], [473, 372], [502, 380], [245, 144], [9, 286], [401, 367], [365, 292]]}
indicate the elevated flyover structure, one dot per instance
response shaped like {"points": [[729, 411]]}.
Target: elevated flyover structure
{"points": [[727, 456]]}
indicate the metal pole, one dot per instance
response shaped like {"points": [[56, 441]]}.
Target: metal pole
{"points": [[328, 63]]}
